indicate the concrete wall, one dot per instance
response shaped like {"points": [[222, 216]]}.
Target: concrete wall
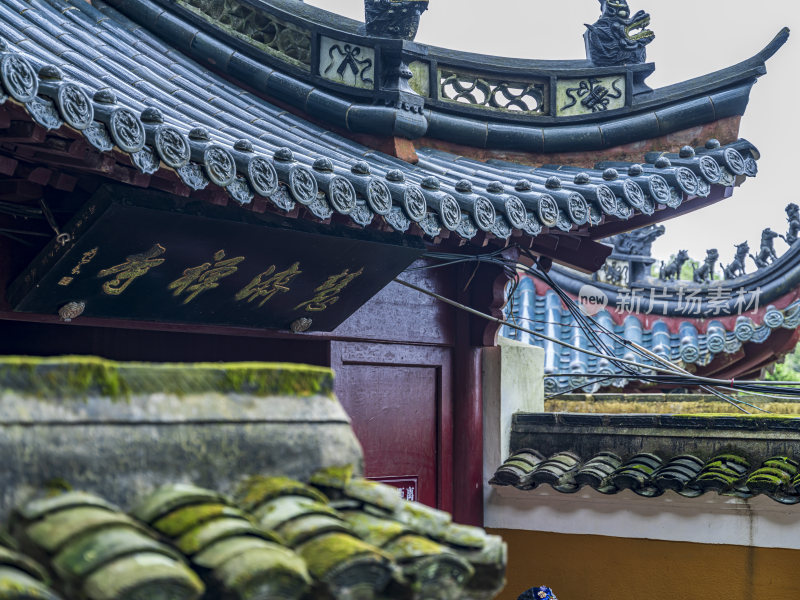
{"points": [[513, 381], [585, 567], [709, 519]]}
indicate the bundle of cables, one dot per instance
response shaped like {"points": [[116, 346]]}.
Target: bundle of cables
{"points": [[644, 365]]}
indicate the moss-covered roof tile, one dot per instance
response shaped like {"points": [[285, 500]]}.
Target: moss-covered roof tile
{"points": [[650, 475]]}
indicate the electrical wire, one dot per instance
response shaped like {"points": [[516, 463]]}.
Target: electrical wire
{"points": [[18, 210], [630, 369], [24, 232], [524, 329], [578, 314]]}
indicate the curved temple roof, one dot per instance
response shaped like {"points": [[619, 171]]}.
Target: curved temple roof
{"points": [[692, 340], [725, 328], [324, 64], [90, 71]]}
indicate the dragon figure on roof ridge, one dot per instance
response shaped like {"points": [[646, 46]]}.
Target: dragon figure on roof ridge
{"points": [[617, 38], [397, 19]]}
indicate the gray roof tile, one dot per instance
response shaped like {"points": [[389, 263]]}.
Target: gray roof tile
{"points": [[145, 71]]}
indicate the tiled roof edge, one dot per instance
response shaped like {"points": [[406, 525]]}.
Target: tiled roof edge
{"points": [[695, 102], [648, 475]]}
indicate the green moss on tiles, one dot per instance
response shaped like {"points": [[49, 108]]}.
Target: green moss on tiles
{"points": [[144, 575], [717, 465], [423, 519], [182, 520], [718, 477], [783, 463], [524, 466], [53, 503], [374, 530], [642, 468], [278, 511], [333, 477], [465, 536], [324, 553], [409, 547], [169, 498], [776, 473], [259, 489], [85, 376], [91, 550], [739, 415], [764, 482], [267, 572], [722, 468], [375, 493], [15, 584], [20, 562], [204, 535], [733, 458], [223, 551]]}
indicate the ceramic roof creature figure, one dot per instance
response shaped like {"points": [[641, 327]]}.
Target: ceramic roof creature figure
{"points": [[673, 269], [737, 266], [705, 272], [394, 18], [793, 216], [616, 38], [766, 254]]}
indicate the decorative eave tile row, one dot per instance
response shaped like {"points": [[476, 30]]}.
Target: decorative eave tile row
{"points": [[199, 160], [279, 538], [125, 90], [164, 111], [650, 475], [683, 344], [564, 197]]}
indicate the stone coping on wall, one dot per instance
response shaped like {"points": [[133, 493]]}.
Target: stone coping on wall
{"points": [[658, 403]]}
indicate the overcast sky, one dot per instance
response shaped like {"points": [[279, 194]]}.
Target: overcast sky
{"points": [[693, 37]]}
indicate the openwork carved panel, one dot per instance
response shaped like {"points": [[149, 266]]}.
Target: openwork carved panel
{"points": [[589, 95], [283, 40], [346, 63], [530, 97]]}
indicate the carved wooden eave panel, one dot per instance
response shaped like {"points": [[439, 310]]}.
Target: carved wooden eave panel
{"points": [[130, 255]]}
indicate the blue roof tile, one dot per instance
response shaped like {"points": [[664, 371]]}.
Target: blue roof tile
{"points": [[545, 315]]}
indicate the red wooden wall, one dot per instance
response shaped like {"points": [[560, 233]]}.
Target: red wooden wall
{"points": [[399, 397]]}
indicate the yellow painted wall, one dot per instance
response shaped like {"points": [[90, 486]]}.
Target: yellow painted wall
{"points": [[583, 567]]}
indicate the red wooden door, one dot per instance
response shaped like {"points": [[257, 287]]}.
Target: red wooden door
{"points": [[399, 400]]}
